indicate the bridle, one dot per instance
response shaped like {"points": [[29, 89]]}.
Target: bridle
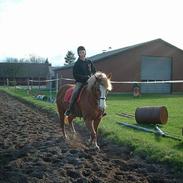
{"points": [[102, 99]]}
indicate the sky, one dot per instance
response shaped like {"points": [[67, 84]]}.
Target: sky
{"points": [[51, 28]]}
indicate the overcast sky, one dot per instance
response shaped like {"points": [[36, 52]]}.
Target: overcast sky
{"points": [[49, 28]]}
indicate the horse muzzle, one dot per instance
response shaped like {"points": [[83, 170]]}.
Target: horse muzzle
{"points": [[102, 104]]}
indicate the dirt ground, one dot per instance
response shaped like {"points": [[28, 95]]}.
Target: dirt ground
{"points": [[32, 150]]}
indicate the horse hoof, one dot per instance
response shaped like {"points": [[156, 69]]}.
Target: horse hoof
{"points": [[88, 144], [94, 147], [73, 136], [97, 147], [65, 137]]}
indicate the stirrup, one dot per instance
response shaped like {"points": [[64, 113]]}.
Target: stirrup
{"points": [[67, 113], [104, 114]]}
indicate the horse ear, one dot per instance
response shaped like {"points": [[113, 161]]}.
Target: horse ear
{"points": [[109, 76]]}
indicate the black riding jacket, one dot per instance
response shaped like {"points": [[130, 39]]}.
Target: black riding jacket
{"points": [[82, 70]]}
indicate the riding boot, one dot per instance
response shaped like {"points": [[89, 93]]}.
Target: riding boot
{"points": [[70, 109]]}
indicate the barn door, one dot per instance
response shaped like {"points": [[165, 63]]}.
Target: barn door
{"points": [[155, 69]]}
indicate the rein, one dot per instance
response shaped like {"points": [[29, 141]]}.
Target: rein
{"points": [[95, 77], [102, 98]]}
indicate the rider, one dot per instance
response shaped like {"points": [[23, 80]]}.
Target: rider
{"points": [[82, 71]]}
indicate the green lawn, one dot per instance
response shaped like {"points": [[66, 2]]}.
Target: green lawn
{"points": [[147, 145], [157, 148]]}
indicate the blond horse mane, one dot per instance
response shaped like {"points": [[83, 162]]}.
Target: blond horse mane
{"points": [[105, 81]]}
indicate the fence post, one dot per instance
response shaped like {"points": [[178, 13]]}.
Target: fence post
{"points": [[56, 83], [50, 88], [61, 80], [28, 86], [15, 84], [31, 84], [7, 82], [39, 85], [4, 81]]}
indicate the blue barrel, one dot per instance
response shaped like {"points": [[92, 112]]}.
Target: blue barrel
{"points": [[41, 97]]}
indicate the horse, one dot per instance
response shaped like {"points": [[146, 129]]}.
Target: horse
{"points": [[90, 106]]}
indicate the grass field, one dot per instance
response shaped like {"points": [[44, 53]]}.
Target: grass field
{"points": [[145, 144], [157, 148]]}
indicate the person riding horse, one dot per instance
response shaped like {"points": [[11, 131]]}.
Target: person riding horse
{"points": [[82, 71]]}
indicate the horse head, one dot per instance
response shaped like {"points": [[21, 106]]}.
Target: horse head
{"points": [[100, 84]]}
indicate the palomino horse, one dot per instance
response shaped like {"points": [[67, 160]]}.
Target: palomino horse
{"points": [[91, 104]]}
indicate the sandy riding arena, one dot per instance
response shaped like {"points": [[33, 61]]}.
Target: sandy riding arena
{"points": [[32, 149]]}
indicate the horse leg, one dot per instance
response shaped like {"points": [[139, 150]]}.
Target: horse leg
{"points": [[90, 126], [96, 123], [70, 119], [62, 124]]}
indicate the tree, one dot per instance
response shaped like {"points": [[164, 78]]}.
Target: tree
{"points": [[11, 60], [46, 61], [69, 58], [36, 59], [31, 59]]}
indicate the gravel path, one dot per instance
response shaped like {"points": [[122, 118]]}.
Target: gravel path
{"points": [[32, 150]]}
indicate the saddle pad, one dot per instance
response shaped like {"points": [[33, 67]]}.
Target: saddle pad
{"points": [[68, 94]]}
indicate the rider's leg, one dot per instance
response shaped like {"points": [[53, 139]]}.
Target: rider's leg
{"points": [[73, 98]]}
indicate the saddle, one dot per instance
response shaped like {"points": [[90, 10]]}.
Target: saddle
{"points": [[67, 98]]}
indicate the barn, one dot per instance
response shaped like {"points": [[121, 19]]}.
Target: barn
{"points": [[155, 60], [21, 72]]}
